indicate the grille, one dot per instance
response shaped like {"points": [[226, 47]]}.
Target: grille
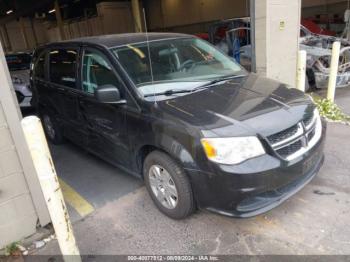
{"points": [[311, 135], [292, 142], [283, 135], [308, 118], [290, 149]]}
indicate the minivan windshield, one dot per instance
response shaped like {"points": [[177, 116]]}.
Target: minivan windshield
{"points": [[189, 61]]}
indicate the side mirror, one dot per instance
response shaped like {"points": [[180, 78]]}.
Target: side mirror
{"points": [[108, 94]]}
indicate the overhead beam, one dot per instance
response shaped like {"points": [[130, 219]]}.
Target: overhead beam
{"points": [[34, 33], [137, 13], [7, 42], [59, 20], [23, 31]]}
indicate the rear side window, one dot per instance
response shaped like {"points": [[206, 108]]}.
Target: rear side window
{"points": [[63, 64], [39, 66]]}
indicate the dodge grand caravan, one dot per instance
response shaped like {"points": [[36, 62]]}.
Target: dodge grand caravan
{"points": [[172, 109]]}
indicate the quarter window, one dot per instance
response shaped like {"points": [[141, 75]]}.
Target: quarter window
{"points": [[63, 67], [97, 71]]}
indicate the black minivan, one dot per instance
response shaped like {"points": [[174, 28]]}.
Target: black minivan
{"points": [[183, 116]]}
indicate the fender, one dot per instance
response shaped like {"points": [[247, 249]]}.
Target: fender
{"points": [[178, 151], [168, 145]]}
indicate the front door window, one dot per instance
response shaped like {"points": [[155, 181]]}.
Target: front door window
{"points": [[97, 71]]}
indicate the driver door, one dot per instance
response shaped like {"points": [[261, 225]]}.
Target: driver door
{"points": [[106, 123]]}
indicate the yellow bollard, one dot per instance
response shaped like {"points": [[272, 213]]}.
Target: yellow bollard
{"points": [[332, 81], [301, 70], [45, 169]]}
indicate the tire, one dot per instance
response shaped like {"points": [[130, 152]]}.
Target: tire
{"points": [[172, 176], [52, 129]]}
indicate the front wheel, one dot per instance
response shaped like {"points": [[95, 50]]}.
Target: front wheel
{"points": [[52, 129], [168, 185]]}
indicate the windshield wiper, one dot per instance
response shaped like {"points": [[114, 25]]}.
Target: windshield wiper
{"points": [[221, 79], [170, 92]]}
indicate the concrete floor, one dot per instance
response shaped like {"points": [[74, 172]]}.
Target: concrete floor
{"points": [[342, 98], [95, 180], [125, 221]]}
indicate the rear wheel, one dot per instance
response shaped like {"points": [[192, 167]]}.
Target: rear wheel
{"points": [[168, 185], [52, 129]]}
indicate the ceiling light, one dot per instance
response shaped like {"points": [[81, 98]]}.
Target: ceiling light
{"points": [[52, 10], [9, 11]]}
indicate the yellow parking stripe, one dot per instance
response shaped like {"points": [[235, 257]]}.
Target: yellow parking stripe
{"points": [[74, 199]]}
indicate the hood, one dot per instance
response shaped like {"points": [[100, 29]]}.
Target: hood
{"points": [[242, 106]]}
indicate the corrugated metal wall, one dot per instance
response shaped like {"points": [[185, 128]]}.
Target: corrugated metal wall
{"points": [[113, 17]]}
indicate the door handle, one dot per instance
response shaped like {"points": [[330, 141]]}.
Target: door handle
{"points": [[83, 104]]}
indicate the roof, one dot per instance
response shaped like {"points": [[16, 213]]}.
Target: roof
{"points": [[123, 39]]}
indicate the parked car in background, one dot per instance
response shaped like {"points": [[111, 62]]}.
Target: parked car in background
{"points": [[232, 36], [18, 64], [319, 52], [315, 28], [175, 111]]}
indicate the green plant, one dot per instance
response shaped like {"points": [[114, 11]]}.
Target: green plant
{"points": [[12, 249], [330, 110]]}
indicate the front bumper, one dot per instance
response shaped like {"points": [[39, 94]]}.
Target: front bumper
{"points": [[26, 102], [23, 94], [257, 185]]}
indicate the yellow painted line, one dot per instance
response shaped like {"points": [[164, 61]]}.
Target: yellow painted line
{"points": [[74, 199]]}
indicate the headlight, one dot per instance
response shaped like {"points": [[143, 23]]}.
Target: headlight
{"points": [[318, 129], [310, 97], [16, 80], [232, 150]]}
